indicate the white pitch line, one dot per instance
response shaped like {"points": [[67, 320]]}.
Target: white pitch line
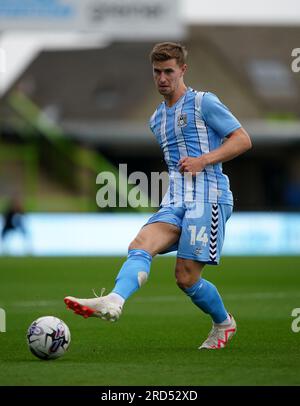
{"points": [[233, 296], [169, 299], [37, 303]]}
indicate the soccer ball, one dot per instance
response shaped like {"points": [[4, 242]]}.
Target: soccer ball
{"points": [[48, 337]]}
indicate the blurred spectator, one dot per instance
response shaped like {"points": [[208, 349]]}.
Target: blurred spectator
{"points": [[13, 220], [292, 188]]}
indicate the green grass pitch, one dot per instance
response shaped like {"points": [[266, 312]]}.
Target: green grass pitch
{"points": [[155, 341]]}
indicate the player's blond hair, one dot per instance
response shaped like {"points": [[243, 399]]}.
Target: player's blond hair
{"points": [[169, 50]]}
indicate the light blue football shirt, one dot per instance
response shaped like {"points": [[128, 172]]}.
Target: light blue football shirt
{"points": [[196, 124]]}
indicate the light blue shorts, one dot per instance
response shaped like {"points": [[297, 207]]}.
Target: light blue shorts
{"points": [[202, 229]]}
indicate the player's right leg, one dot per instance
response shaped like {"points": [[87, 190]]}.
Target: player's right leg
{"points": [[152, 239]]}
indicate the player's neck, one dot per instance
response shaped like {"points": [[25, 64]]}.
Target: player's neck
{"points": [[171, 99]]}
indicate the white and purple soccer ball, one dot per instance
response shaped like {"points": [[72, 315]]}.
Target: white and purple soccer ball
{"points": [[48, 337]]}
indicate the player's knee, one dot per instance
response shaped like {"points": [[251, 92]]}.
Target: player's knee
{"points": [[184, 277], [140, 243], [137, 243]]}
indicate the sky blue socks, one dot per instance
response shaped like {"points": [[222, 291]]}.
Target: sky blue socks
{"points": [[206, 296], [133, 274]]}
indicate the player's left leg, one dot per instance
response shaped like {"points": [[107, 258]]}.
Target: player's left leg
{"points": [[205, 295], [201, 241], [202, 292]]}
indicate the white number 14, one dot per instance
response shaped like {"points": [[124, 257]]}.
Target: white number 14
{"points": [[201, 236]]}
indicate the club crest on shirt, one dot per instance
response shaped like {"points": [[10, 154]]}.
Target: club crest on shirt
{"points": [[182, 120]]}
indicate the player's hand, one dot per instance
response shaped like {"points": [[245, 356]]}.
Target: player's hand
{"points": [[192, 165]]}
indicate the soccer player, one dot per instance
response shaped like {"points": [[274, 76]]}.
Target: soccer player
{"points": [[196, 133]]}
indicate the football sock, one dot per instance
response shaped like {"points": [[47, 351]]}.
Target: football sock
{"points": [[133, 274], [225, 322], [206, 296]]}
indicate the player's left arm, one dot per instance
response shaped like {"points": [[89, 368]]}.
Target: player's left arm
{"points": [[226, 126], [236, 144]]}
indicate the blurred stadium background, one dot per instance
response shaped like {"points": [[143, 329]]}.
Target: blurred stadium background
{"points": [[76, 95], [76, 102]]}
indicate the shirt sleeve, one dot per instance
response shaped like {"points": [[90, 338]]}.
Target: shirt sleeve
{"points": [[151, 121], [218, 116]]}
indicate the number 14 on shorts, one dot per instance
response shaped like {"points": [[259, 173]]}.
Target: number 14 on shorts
{"points": [[200, 236]]}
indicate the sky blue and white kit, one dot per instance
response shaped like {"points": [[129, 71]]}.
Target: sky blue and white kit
{"points": [[200, 205]]}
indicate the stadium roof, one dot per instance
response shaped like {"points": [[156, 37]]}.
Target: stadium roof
{"points": [[100, 92]]}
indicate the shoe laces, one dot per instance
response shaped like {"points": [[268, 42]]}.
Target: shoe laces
{"points": [[101, 292], [213, 333]]}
